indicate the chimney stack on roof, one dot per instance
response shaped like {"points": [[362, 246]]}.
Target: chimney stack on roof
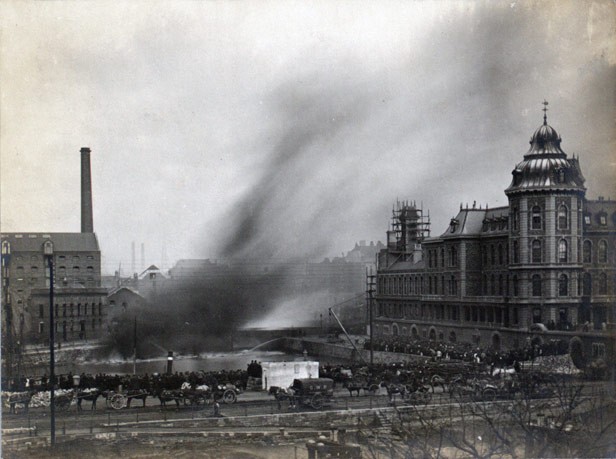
{"points": [[87, 224]]}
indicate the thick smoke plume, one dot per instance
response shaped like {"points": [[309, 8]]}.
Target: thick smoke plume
{"points": [[195, 316]]}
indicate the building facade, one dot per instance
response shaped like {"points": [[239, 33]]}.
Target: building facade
{"points": [[541, 266], [79, 299]]}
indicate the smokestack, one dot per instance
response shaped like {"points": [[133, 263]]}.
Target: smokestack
{"points": [[132, 257], [142, 256], [87, 225]]}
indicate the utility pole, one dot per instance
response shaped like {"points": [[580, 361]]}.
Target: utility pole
{"points": [[48, 252], [370, 290], [7, 329], [135, 348]]}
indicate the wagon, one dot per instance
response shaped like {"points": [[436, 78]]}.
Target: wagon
{"points": [[120, 399], [205, 395], [314, 392]]}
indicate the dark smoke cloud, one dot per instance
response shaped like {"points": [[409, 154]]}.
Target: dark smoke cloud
{"points": [[273, 219], [195, 316]]}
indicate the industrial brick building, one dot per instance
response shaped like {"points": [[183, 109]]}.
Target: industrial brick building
{"points": [[79, 299], [541, 267]]}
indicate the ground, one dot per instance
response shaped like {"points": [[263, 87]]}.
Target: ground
{"points": [[158, 450]]}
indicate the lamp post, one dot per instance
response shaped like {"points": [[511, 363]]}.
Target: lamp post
{"points": [[48, 253], [7, 329]]}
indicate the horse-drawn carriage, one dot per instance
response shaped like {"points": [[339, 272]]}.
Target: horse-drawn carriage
{"points": [[313, 392], [199, 395]]}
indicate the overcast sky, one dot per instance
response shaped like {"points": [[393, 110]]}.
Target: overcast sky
{"points": [[288, 128]]}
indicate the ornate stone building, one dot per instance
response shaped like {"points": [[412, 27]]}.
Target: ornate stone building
{"points": [[543, 265]]}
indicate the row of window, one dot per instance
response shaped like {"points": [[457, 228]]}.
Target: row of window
{"points": [[65, 327], [37, 258], [71, 309], [61, 269], [90, 282], [584, 287], [400, 285], [495, 255], [446, 285], [562, 252], [413, 285], [492, 285], [434, 261], [456, 313]]}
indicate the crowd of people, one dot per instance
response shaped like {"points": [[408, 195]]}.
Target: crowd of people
{"points": [[152, 383], [438, 350]]}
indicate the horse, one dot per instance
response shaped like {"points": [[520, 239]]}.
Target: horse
{"points": [[136, 393], [90, 396], [13, 398], [354, 385], [167, 396]]}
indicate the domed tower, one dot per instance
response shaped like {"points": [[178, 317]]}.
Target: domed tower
{"points": [[545, 230]]}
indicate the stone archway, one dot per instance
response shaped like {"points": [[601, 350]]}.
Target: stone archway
{"points": [[432, 334], [414, 332], [394, 330]]}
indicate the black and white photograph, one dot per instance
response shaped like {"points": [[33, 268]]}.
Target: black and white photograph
{"points": [[308, 229]]}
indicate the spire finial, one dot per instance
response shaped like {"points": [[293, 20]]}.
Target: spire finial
{"points": [[545, 110]]}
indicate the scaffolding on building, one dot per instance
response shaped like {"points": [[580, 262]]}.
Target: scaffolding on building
{"points": [[409, 227]]}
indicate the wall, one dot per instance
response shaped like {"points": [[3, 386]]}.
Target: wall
{"points": [[282, 374]]}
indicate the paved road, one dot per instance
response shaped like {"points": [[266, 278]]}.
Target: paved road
{"points": [[249, 403]]}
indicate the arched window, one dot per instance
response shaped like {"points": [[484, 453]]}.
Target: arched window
{"points": [[492, 285], [562, 251], [563, 285], [500, 254], [485, 284], [515, 286], [563, 217], [500, 284], [536, 218], [587, 251], [516, 252], [442, 258], [492, 255], [454, 256], [602, 252], [602, 284], [536, 251], [536, 284]]}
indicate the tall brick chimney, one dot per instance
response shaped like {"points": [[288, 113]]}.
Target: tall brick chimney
{"points": [[87, 224]]}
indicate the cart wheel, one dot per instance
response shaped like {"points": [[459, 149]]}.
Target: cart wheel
{"points": [[117, 401], [229, 396], [317, 401], [489, 395]]}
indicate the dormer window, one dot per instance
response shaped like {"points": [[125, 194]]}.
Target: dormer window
{"points": [[587, 219], [602, 217], [453, 225]]}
